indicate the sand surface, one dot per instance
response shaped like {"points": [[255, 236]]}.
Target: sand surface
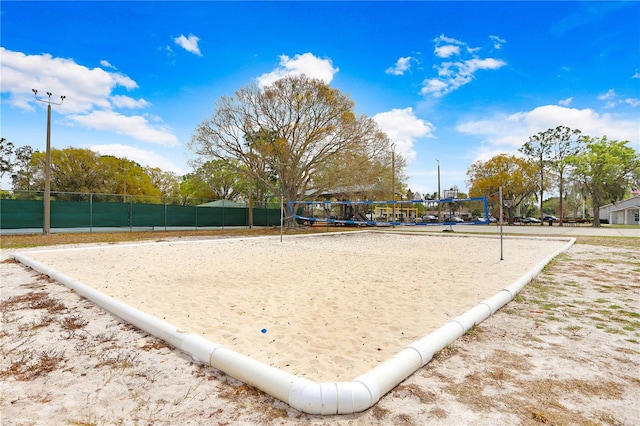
{"points": [[566, 351], [324, 307]]}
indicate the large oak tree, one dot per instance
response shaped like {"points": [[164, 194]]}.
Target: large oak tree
{"points": [[299, 137]]}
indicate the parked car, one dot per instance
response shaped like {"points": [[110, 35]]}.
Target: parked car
{"points": [[454, 219], [548, 217], [530, 220], [429, 218], [484, 219]]}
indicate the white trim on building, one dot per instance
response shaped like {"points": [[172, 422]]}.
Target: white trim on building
{"points": [[625, 212]]}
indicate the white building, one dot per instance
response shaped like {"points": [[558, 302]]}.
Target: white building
{"points": [[625, 212]]}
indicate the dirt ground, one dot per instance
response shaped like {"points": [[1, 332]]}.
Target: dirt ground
{"points": [[565, 351]]}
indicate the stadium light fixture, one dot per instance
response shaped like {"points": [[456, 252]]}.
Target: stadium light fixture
{"points": [[46, 226]]}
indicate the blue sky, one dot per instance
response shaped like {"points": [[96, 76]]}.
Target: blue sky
{"points": [[453, 82]]}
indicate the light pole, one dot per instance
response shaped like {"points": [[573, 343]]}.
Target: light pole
{"points": [[47, 171], [438, 190], [393, 181]]}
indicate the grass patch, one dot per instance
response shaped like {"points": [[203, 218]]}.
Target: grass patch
{"points": [[444, 353], [72, 323], [31, 365], [573, 329], [32, 300], [618, 242], [473, 333], [121, 361], [411, 390], [43, 321]]}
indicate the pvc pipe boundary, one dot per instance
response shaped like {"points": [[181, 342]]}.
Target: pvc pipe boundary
{"points": [[325, 398]]}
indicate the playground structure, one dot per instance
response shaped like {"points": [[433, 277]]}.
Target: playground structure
{"points": [[382, 213]]}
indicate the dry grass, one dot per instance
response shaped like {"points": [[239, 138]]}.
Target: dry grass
{"points": [[510, 379], [618, 242], [33, 300], [27, 365]]}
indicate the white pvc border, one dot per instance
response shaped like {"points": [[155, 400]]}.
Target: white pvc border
{"points": [[326, 398]]}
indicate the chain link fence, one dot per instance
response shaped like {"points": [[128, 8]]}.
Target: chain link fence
{"points": [[25, 210]]}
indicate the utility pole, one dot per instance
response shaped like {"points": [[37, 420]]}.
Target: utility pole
{"points": [[46, 227], [438, 190], [393, 181]]}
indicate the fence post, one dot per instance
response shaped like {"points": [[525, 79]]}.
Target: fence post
{"points": [[91, 212], [165, 213]]}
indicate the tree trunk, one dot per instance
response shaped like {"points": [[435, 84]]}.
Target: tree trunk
{"points": [[561, 190], [289, 195], [596, 212], [541, 187], [541, 214]]}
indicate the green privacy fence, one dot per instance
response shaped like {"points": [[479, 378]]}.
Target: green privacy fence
{"points": [[20, 213]]}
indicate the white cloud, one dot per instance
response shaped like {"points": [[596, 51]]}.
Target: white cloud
{"points": [[452, 75], [632, 101], [611, 94], [83, 87], [448, 40], [135, 126], [636, 74], [403, 64], [89, 100], [497, 42], [403, 128], [190, 44], [507, 133], [140, 156], [612, 99], [446, 51], [433, 85], [456, 73], [121, 101], [307, 64], [565, 102], [107, 64]]}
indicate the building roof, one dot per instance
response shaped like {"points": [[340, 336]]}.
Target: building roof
{"points": [[223, 203], [633, 202]]}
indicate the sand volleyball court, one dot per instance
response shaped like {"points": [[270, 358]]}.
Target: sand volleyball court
{"points": [[325, 307]]}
